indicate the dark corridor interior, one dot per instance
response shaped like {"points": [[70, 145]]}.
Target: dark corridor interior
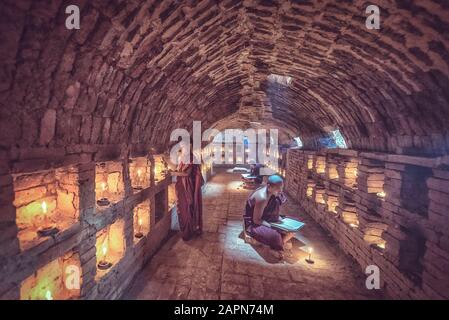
{"points": [[91, 93]]}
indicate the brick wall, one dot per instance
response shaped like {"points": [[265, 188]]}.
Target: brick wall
{"points": [[395, 215], [78, 239]]}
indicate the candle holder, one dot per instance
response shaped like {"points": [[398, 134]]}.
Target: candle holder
{"points": [[47, 231], [103, 202], [104, 265], [138, 235], [309, 259]]}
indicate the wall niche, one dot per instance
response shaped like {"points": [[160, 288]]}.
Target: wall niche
{"points": [[414, 190], [50, 282], [411, 254], [109, 184], [46, 202]]}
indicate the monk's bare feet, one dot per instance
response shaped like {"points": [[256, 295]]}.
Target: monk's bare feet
{"points": [[278, 254], [250, 240], [288, 245]]}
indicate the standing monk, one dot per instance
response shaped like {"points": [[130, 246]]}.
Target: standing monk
{"points": [[262, 207], [188, 192]]}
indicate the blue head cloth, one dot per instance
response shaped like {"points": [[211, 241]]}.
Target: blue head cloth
{"points": [[275, 180]]}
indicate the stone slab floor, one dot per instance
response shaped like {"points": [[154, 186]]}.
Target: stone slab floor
{"points": [[220, 265]]}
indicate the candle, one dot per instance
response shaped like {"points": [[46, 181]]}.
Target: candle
{"points": [[48, 295], [103, 264], [381, 194], [309, 260], [45, 215], [381, 245], [45, 227], [104, 249], [44, 207]]}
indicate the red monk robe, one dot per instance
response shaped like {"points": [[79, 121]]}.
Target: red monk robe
{"points": [[190, 203]]}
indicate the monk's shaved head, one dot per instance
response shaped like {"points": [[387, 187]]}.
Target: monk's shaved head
{"points": [[275, 180]]}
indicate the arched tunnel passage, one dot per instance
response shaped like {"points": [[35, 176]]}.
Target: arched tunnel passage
{"points": [[86, 117]]}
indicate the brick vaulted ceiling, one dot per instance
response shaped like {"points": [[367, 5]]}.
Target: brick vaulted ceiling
{"points": [[138, 69]]}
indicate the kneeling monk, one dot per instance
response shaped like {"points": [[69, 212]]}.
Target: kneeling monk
{"points": [[262, 207]]}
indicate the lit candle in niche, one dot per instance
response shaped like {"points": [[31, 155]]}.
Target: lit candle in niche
{"points": [[138, 180], [309, 259], [104, 263], [47, 229], [44, 207], [139, 233], [103, 201]]}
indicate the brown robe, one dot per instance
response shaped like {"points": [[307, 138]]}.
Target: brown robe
{"points": [[190, 203]]}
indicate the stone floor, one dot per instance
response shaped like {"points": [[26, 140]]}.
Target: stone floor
{"points": [[220, 265]]}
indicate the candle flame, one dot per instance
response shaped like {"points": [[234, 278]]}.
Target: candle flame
{"points": [[139, 172], [44, 207], [140, 221], [310, 250], [381, 194], [103, 186], [48, 295], [104, 249]]}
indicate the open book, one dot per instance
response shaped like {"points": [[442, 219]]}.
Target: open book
{"points": [[288, 224]]}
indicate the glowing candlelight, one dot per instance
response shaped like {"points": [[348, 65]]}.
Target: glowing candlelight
{"points": [[309, 259], [104, 249], [139, 233], [103, 264], [103, 200], [353, 225], [48, 295], [381, 194], [139, 172], [46, 229], [381, 245], [44, 207]]}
